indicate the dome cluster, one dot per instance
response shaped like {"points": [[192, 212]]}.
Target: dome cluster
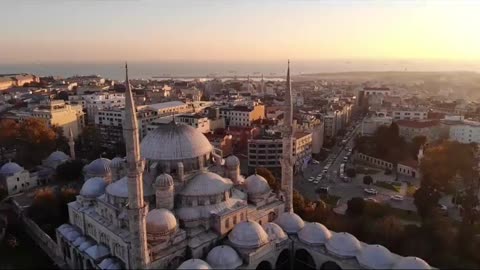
{"points": [[98, 167], [248, 234]]}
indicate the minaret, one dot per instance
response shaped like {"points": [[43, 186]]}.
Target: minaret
{"points": [[136, 207], [287, 158], [71, 144], [262, 86]]}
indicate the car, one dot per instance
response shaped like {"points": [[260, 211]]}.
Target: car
{"points": [[323, 189], [396, 197], [345, 158], [371, 191], [369, 199], [442, 207], [325, 171], [315, 162], [318, 178], [310, 179], [315, 182]]}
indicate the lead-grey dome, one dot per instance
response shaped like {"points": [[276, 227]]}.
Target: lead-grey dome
{"points": [[375, 257], [56, 158], [343, 244], [248, 234], [411, 263], [160, 221], [117, 162], [314, 233], [205, 184], [10, 168], [174, 142], [290, 222], [256, 184], [194, 264], [164, 180], [223, 257], [93, 187], [274, 232], [120, 188], [99, 167], [232, 161]]}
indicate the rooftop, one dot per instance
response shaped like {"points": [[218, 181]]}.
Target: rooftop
{"points": [[417, 124]]}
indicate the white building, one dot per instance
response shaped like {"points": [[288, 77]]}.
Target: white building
{"points": [[96, 102], [371, 124], [15, 179], [242, 116], [199, 122], [409, 114], [464, 131], [170, 107]]}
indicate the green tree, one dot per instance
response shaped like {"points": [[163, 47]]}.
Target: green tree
{"points": [[90, 142], [9, 130], [35, 142], [355, 207], [69, 171], [367, 180], [298, 203], [268, 175]]}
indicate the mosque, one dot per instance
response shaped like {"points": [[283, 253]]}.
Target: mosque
{"points": [[174, 203]]}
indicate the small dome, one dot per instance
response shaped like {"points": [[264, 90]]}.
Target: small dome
{"points": [[248, 234], [160, 221], [290, 222], [205, 184], [164, 180], [224, 257], [232, 161], [411, 263], [120, 188], [175, 142], [194, 264], [274, 232], [314, 233], [57, 157], [256, 184], [375, 257], [93, 187], [99, 167], [10, 168], [343, 244], [117, 162]]}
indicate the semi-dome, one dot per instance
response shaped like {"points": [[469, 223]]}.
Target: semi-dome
{"points": [[232, 161], [248, 234], [99, 167], [290, 222], [120, 188], [314, 233], [205, 184], [164, 180], [224, 257], [375, 257], [274, 232], [174, 142], [256, 184], [93, 187], [411, 263], [117, 162], [194, 264], [160, 221], [343, 244], [10, 168]]}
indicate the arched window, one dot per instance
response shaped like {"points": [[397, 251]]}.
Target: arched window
{"points": [[303, 260]]}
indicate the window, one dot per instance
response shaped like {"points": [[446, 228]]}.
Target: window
{"points": [[227, 223]]}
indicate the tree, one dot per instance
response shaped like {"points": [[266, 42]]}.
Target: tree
{"points": [[268, 175], [69, 171], [367, 180], [298, 203], [8, 133], [425, 199], [35, 142], [350, 172], [417, 142], [388, 231], [90, 142], [355, 207]]}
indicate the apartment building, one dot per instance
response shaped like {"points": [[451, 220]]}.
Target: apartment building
{"points": [[242, 116]]}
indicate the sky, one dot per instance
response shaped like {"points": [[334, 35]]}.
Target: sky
{"points": [[234, 30]]}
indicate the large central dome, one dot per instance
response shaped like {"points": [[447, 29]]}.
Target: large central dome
{"points": [[174, 142]]}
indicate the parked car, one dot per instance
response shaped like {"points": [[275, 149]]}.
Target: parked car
{"points": [[369, 199], [323, 189], [371, 191], [310, 179], [396, 197]]}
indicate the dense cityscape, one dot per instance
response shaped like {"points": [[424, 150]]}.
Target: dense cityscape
{"points": [[237, 165]]}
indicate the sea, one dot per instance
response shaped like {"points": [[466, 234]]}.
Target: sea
{"points": [[208, 69]]}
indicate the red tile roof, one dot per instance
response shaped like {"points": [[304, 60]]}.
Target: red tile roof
{"points": [[410, 163]]}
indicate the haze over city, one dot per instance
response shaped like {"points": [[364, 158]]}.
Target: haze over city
{"points": [[99, 31]]}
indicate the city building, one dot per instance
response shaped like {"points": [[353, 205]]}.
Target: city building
{"points": [[371, 124], [406, 114], [94, 103], [170, 107], [15, 179], [462, 130], [265, 151], [171, 211], [242, 116], [12, 80], [431, 129], [58, 113]]}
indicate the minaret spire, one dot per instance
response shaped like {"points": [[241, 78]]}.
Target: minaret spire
{"points": [[137, 209], [287, 141], [71, 144]]}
